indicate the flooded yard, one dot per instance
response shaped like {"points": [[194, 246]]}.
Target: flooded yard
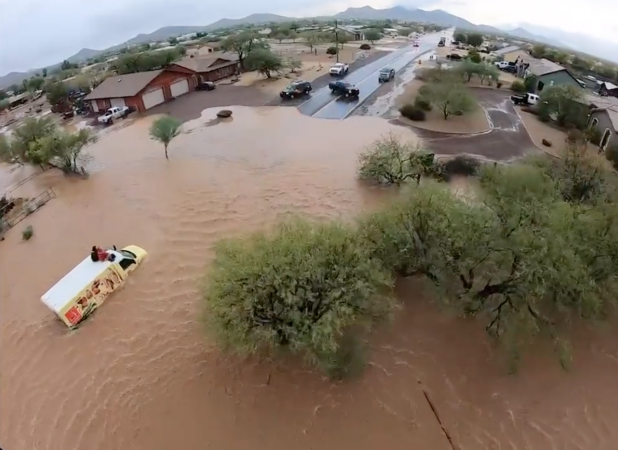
{"points": [[141, 375]]}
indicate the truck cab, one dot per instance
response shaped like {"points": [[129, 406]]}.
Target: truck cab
{"points": [[339, 69]]}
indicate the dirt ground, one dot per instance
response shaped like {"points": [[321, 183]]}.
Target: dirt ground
{"points": [[539, 131], [474, 122]]}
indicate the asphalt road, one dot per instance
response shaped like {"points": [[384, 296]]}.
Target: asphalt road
{"points": [[323, 104]]}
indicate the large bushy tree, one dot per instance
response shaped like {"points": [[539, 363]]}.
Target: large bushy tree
{"points": [[306, 288]]}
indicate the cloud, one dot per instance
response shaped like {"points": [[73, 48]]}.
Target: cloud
{"points": [[37, 33]]}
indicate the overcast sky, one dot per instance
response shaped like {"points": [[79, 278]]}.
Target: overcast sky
{"points": [[37, 33]]}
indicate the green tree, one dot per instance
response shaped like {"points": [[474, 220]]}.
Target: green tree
{"points": [[474, 56], [343, 39], [56, 92], [405, 31], [242, 44], [460, 37], [3, 94], [311, 39], [4, 104], [469, 69], [164, 129], [391, 161], [539, 51], [264, 61], [293, 64], [144, 47], [372, 35], [449, 98], [474, 39], [280, 37], [31, 130], [35, 83], [16, 89], [581, 63], [64, 148], [488, 72], [172, 40], [44, 72], [308, 289], [563, 102], [67, 65], [7, 153]]}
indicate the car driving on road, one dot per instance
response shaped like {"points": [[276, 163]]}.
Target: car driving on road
{"points": [[344, 89], [296, 89], [339, 69], [386, 74]]}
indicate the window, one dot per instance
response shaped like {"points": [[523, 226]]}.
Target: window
{"points": [[594, 122]]}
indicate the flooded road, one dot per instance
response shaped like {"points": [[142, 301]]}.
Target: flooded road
{"points": [[140, 374]]}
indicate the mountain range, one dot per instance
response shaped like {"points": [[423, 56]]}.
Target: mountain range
{"points": [[543, 35]]}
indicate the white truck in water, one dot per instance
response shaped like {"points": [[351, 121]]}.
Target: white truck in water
{"points": [[339, 69], [113, 113]]}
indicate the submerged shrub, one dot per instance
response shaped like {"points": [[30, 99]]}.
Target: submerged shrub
{"points": [[308, 288], [459, 166], [391, 161], [365, 47], [27, 233]]}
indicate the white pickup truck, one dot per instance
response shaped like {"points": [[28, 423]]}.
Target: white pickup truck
{"points": [[339, 69], [115, 112]]}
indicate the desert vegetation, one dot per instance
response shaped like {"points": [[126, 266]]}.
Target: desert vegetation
{"points": [[40, 142], [533, 251]]}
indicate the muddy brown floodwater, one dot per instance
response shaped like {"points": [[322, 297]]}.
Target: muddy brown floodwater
{"points": [[140, 374]]}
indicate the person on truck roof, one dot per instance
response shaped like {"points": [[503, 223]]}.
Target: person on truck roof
{"points": [[98, 254]]}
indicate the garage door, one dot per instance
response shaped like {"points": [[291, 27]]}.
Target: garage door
{"points": [[95, 106], [180, 87], [153, 98], [117, 102]]}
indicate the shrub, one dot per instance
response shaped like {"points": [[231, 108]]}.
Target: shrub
{"points": [[305, 288], [421, 103], [332, 50], [365, 47], [574, 135], [518, 86], [611, 153], [594, 136], [391, 161], [499, 84], [546, 143], [412, 112], [460, 165], [27, 233]]}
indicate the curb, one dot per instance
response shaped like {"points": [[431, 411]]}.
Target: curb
{"points": [[539, 147], [361, 103]]}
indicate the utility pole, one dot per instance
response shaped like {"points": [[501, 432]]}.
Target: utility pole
{"points": [[337, 38]]}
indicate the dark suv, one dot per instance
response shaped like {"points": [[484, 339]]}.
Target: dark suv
{"points": [[296, 89]]}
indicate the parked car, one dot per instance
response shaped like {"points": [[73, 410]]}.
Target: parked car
{"points": [[115, 112], [386, 74], [525, 99], [453, 57], [296, 89], [339, 69], [343, 88], [206, 86]]}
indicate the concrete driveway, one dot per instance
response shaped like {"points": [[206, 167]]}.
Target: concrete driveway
{"points": [[507, 139]]}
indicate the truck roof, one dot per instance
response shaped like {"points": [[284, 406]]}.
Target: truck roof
{"points": [[73, 283]]}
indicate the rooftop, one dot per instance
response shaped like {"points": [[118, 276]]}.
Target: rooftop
{"points": [[121, 86], [542, 66], [509, 49], [206, 63], [608, 104]]}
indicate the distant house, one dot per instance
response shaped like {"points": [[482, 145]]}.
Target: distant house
{"points": [[548, 73], [142, 90], [604, 117], [511, 53], [608, 89], [211, 68], [355, 34]]}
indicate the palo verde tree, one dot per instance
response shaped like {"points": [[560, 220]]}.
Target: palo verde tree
{"points": [[391, 161], [263, 61], [449, 98], [372, 35], [474, 39], [308, 289], [164, 129], [242, 44], [563, 102]]}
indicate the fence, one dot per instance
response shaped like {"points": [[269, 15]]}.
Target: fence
{"points": [[10, 216]]}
